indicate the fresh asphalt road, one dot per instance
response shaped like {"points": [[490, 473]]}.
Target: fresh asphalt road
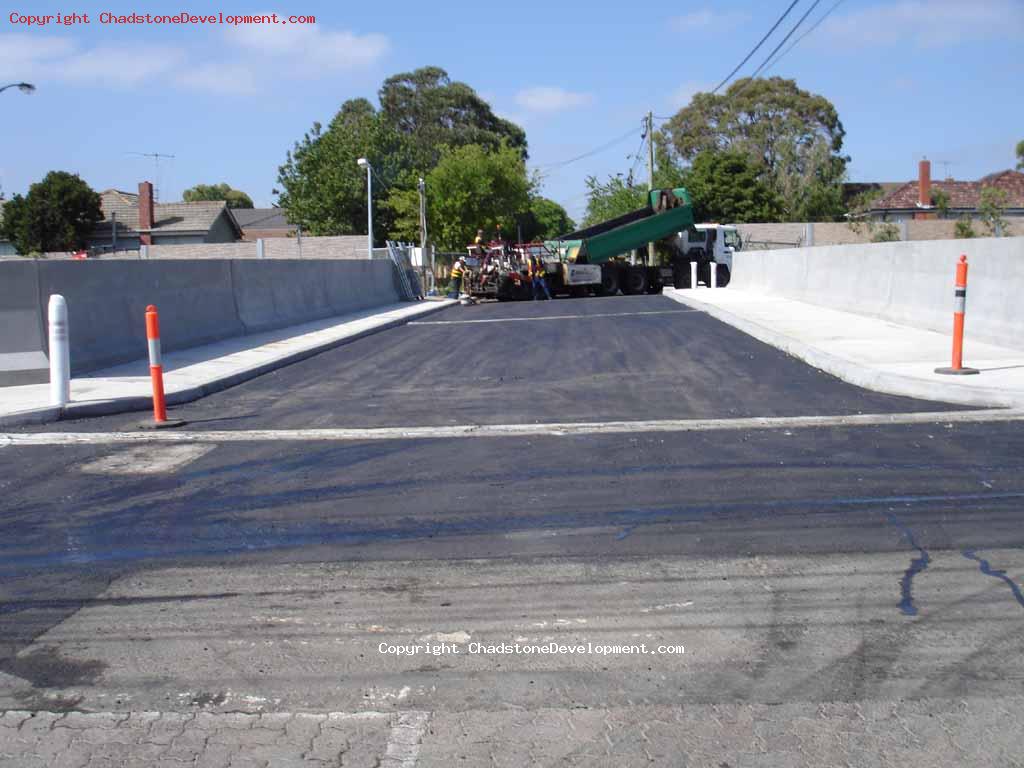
{"points": [[845, 594]]}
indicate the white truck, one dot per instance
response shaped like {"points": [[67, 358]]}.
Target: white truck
{"points": [[707, 244]]}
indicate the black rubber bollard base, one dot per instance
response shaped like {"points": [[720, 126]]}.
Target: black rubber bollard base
{"points": [[957, 371], [169, 424]]}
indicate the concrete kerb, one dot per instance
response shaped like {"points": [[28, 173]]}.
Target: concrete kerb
{"points": [[853, 372], [133, 404]]}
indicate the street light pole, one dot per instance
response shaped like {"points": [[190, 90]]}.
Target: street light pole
{"points": [[362, 162], [422, 187], [26, 88]]}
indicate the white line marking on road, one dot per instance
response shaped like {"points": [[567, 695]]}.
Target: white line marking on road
{"points": [[565, 429], [403, 748], [145, 460], [554, 317]]}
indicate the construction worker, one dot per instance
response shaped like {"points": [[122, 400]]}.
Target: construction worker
{"points": [[539, 275], [478, 242], [455, 278]]}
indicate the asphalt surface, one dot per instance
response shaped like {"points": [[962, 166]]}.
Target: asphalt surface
{"points": [[844, 595], [598, 359]]}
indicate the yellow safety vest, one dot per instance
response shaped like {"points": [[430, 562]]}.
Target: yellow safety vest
{"points": [[456, 270]]}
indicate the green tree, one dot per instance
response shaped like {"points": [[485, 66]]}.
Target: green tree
{"points": [[991, 209], [794, 135], [940, 199], [726, 186], [964, 228], [886, 232], [1020, 155], [472, 187], [545, 220], [614, 197], [235, 198], [322, 188], [433, 111], [59, 213]]}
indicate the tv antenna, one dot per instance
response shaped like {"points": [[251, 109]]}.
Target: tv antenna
{"points": [[156, 157]]}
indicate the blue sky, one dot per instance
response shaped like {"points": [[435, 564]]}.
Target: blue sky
{"points": [[940, 78]]}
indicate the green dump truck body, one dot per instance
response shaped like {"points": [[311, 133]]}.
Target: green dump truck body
{"points": [[667, 212]]}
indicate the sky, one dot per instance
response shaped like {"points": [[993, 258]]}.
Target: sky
{"points": [[910, 78]]}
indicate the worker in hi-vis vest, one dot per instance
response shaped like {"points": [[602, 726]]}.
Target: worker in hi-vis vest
{"points": [[455, 283], [540, 282]]}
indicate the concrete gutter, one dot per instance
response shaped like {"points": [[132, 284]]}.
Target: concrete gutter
{"points": [[194, 373], [869, 352]]}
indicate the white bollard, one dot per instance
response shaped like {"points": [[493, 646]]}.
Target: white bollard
{"points": [[693, 274], [713, 272], [60, 352]]}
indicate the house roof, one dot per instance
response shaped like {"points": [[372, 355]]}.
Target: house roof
{"points": [[167, 217], [962, 194], [261, 218]]}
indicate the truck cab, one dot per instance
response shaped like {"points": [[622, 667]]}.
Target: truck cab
{"points": [[710, 244]]}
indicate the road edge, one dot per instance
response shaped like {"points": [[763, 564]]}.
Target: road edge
{"points": [[95, 408], [853, 372]]}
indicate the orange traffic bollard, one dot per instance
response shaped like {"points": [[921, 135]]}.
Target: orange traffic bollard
{"points": [[156, 371], [959, 306]]}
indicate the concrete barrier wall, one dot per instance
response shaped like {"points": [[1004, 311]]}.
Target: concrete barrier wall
{"points": [[200, 301], [910, 283]]}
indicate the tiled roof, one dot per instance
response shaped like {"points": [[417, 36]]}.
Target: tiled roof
{"points": [[261, 218], [167, 217], [962, 194]]}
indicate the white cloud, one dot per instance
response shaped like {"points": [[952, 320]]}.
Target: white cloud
{"points": [[549, 99], [923, 24], [308, 47], [54, 58], [256, 54], [707, 18]]}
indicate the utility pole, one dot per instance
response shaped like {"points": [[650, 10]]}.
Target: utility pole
{"points": [[650, 175]]}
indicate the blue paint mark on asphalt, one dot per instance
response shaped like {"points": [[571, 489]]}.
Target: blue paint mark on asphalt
{"points": [[988, 570], [625, 532], [917, 565]]}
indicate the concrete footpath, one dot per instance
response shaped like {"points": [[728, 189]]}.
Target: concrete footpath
{"points": [[193, 373], [870, 352]]}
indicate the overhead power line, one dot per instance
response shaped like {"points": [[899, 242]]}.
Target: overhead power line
{"points": [[781, 43], [814, 26], [596, 150], [756, 47]]}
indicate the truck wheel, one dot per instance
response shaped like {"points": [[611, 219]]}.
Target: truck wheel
{"points": [[609, 282], [636, 281], [681, 275], [723, 275]]}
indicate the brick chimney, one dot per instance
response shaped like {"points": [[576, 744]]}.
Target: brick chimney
{"points": [[145, 212], [924, 184]]}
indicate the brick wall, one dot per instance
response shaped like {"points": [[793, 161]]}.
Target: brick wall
{"points": [[759, 236], [341, 247]]}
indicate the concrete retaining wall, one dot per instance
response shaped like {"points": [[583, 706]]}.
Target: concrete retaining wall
{"points": [[200, 301], [910, 283]]}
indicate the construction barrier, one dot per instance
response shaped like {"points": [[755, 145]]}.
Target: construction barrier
{"points": [[959, 309], [201, 301], [905, 283]]}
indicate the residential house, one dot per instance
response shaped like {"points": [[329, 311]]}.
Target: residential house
{"points": [[131, 220], [916, 199]]}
